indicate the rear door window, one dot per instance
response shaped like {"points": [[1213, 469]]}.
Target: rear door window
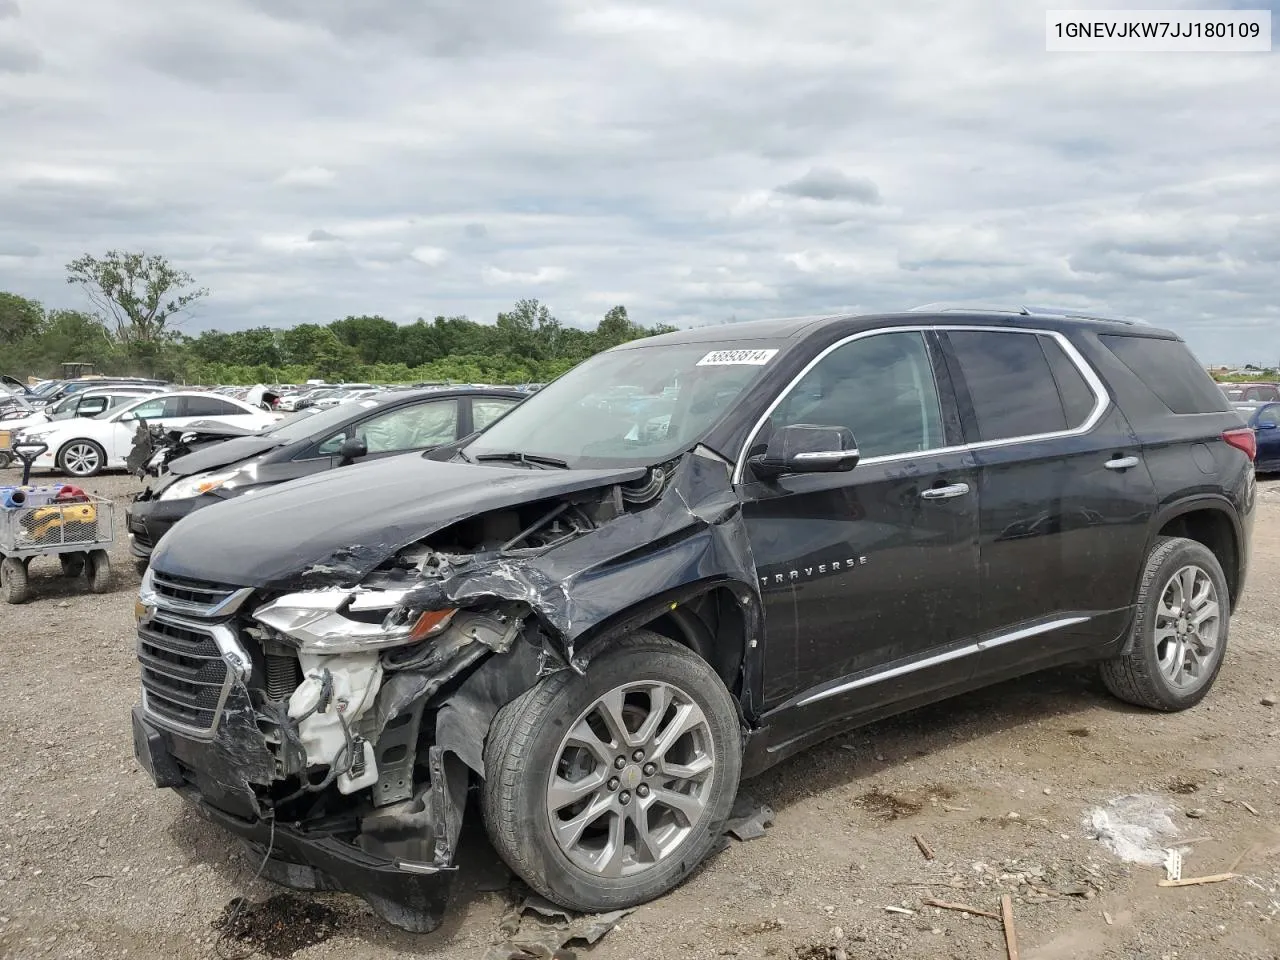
{"points": [[211, 407], [1170, 371], [1015, 389]]}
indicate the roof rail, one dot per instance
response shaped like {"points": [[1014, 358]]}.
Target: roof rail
{"points": [[1065, 313]]}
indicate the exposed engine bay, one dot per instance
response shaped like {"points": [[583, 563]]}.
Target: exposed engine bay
{"points": [[359, 713]]}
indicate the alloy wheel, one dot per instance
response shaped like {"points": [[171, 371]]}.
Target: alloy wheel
{"points": [[81, 459], [1188, 627], [632, 778]]}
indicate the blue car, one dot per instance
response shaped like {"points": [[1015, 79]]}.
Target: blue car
{"points": [[1265, 420]]}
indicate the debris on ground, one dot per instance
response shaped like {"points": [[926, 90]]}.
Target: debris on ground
{"points": [[1197, 881], [925, 849], [278, 927], [1134, 827], [546, 936], [1010, 934], [748, 819], [889, 806], [960, 908]]}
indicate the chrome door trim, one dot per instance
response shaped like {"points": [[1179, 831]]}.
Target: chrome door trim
{"points": [[1022, 633], [1101, 397]]}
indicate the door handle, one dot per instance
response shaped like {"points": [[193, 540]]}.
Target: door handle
{"points": [[1121, 463], [945, 493]]}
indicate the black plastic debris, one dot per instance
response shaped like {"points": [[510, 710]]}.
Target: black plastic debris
{"points": [[546, 935], [748, 820]]}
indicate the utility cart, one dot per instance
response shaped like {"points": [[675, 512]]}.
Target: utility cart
{"points": [[34, 523]]}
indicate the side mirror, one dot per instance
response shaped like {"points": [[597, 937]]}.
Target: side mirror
{"points": [[807, 448], [353, 448]]}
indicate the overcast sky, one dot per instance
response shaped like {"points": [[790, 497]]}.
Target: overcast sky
{"points": [[696, 160]]}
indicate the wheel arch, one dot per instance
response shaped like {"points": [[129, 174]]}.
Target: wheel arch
{"points": [[1212, 521], [716, 619]]}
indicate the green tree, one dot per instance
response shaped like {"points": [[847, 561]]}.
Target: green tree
{"points": [[376, 339], [19, 318], [139, 294]]}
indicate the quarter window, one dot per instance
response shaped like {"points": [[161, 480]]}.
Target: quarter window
{"points": [[484, 412], [1021, 384], [881, 387]]}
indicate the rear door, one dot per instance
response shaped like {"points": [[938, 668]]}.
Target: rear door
{"points": [[1064, 491], [869, 577]]}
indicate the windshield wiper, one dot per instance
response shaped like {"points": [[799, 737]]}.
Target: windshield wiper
{"points": [[528, 459]]}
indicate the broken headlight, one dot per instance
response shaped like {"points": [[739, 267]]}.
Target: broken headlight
{"points": [[205, 482], [346, 621]]}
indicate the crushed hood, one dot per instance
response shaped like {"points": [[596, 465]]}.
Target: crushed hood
{"points": [[238, 447], [336, 527]]}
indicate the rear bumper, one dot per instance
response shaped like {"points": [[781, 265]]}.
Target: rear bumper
{"points": [[410, 894]]}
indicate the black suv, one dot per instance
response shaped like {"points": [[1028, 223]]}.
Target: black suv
{"points": [[600, 615]]}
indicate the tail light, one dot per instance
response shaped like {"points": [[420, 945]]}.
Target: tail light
{"points": [[1243, 438]]}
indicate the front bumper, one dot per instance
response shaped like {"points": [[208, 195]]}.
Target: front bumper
{"points": [[409, 894], [149, 520]]}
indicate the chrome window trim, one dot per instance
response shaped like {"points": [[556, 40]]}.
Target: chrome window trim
{"points": [[1102, 399], [1023, 633]]}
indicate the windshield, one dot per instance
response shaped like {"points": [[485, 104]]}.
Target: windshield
{"points": [[631, 406], [313, 420]]}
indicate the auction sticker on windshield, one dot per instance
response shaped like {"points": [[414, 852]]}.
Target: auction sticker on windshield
{"points": [[729, 358]]}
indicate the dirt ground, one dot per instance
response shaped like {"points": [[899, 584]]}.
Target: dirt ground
{"points": [[96, 862]]}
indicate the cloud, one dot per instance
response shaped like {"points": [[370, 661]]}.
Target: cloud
{"points": [[16, 248], [729, 158], [826, 183], [542, 275], [306, 177], [17, 56], [429, 256], [8, 9]]}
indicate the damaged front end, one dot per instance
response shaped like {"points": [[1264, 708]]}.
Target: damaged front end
{"points": [[338, 728]]}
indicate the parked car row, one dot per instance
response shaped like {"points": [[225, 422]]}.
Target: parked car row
{"points": [[685, 560], [379, 426]]}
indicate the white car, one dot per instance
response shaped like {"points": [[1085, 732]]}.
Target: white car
{"points": [[83, 447], [89, 403]]}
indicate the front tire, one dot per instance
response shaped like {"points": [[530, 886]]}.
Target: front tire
{"points": [[606, 790], [97, 570], [82, 458], [1179, 634], [13, 580]]}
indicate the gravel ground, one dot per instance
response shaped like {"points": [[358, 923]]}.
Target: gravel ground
{"points": [[94, 861]]}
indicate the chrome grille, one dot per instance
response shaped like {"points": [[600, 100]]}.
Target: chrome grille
{"points": [[185, 679], [194, 598]]}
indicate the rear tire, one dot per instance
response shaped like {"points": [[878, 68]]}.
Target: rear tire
{"points": [[13, 580], [97, 569], [650, 808], [1179, 635]]}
